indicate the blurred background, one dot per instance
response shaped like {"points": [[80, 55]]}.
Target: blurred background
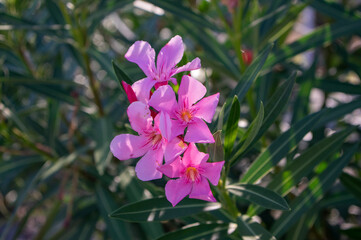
{"points": [[61, 104]]}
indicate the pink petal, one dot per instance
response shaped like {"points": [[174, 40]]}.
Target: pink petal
{"points": [[170, 55], [129, 91], [165, 125], [126, 146], [143, 55], [139, 116], [212, 171], [190, 90], [207, 107], [173, 169], [174, 148], [176, 190], [163, 99], [142, 88], [195, 64], [201, 190], [147, 167], [192, 156], [198, 132]]}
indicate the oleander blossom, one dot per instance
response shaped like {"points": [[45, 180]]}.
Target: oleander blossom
{"points": [[192, 173], [153, 142], [160, 73], [190, 111]]}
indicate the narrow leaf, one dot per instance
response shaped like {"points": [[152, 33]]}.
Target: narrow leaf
{"points": [[352, 184], [232, 127], [250, 230], [121, 75], [259, 195], [159, 209]]}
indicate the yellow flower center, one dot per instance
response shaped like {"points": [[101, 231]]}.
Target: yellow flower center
{"points": [[186, 115], [192, 174]]}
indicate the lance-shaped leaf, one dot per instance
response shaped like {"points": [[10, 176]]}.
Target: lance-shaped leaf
{"points": [[216, 149], [252, 230], [303, 165], [159, 209], [279, 148], [352, 184], [259, 195], [232, 127], [324, 34], [317, 188], [201, 231], [121, 75], [249, 135]]}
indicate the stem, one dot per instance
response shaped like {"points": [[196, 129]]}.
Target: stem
{"points": [[94, 85]]}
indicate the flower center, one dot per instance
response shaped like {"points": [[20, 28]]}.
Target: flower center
{"points": [[192, 174], [156, 139], [186, 115]]}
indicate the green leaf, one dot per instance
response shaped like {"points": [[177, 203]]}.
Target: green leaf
{"points": [[332, 114], [103, 133], [159, 209], [259, 195], [250, 74], [250, 230], [279, 148], [212, 48], [121, 75], [352, 184], [249, 135], [317, 187], [215, 149], [303, 165], [276, 104], [182, 12], [105, 201], [232, 127], [333, 85], [323, 35], [201, 231]]}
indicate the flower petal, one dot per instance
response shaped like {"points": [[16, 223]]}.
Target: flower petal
{"points": [[129, 92], [170, 55], [207, 107], [147, 167], [165, 125], [201, 190], [173, 169], [142, 88], [174, 148], [139, 116], [212, 171], [126, 146], [190, 91], [176, 190], [198, 132], [143, 55], [163, 99], [195, 64], [192, 156]]}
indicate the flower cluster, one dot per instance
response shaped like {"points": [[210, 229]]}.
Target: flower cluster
{"points": [[169, 125]]}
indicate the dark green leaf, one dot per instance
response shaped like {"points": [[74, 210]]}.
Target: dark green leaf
{"points": [[250, 230], [259, 195], [121, 75], [232, 127], [201, 231], [317, 187], [159, 209], [352, 184]]}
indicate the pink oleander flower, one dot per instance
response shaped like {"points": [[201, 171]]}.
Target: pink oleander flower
{"points": [[152, 143], [188, 112], [169, 56], [129, 92], [192, 172]]}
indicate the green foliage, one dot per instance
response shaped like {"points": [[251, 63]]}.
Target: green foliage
{"points": [[291, 161]]}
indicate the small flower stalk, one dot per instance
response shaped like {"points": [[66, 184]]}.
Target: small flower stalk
{"points": [[168, 124]]}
